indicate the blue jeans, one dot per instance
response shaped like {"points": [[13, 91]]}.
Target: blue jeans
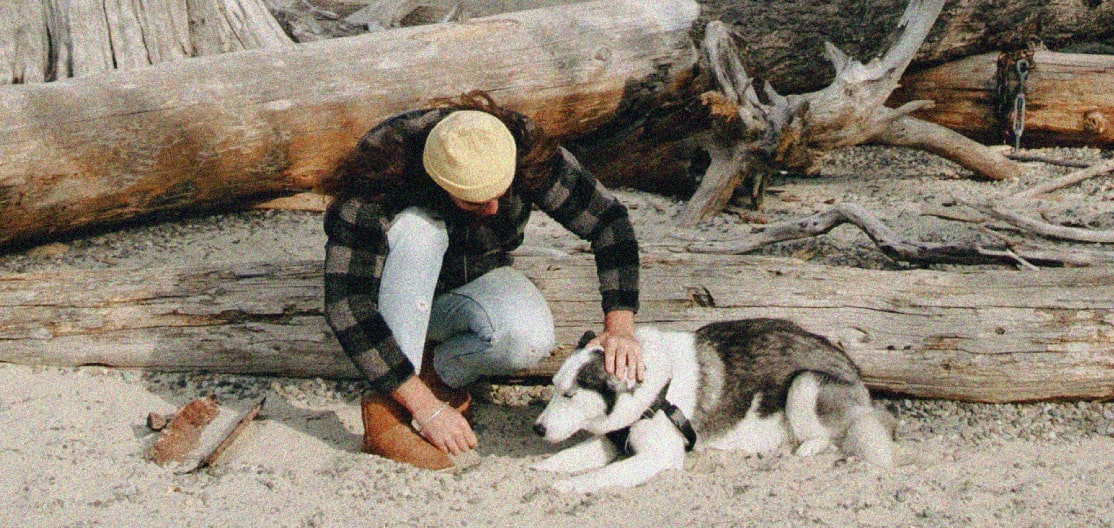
{"points": [[494, 325]]}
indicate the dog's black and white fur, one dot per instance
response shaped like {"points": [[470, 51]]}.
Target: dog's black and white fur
{"points": [[751, 385]]}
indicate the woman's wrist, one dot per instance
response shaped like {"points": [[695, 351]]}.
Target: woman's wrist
{"points": [[416, 397], [419, 425], [619, 322]]}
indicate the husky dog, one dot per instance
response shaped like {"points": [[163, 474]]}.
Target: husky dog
{"points": [[751, 385]]}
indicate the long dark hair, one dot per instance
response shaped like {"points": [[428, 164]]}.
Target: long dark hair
{"points": [[388, 171]]}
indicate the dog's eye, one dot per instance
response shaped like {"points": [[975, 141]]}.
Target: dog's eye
{"points": [[571, 392]]}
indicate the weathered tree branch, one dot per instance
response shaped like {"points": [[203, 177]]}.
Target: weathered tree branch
{"points": [[1023, 156], [894, 246], [386, 14], [1093, 171], [911, 132], [729, 166], [1046, 229], [228, 437], [1000, 211]]}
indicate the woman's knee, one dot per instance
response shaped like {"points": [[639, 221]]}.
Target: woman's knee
{"points": [[508, 321], [524, 325], [525, 344], [416, 227], [466, 357]]}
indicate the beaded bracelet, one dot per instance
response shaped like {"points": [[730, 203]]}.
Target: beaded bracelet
{"points": [[418, 426]]}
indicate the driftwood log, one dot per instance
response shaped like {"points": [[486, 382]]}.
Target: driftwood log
{"points": [[1068, 98], [991, 336], [222, 129]]}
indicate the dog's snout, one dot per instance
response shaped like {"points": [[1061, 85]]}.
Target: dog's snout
{"points": [[539, 428]]}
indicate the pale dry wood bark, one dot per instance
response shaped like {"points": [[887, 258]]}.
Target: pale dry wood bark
{"points": [[24, 45], [233, 25], [48, 40], [1010, 213], [1007, 208], [982, 161], [1025, 156], [1069, 101], [224, 129], [970, 335]]}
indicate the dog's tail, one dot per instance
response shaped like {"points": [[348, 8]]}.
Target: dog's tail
{"points": [[870, 435]]}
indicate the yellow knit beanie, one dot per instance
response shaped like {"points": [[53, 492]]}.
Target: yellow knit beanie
{"points": [[471, 155]]}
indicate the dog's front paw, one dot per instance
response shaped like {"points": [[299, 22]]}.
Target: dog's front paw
{"points": [[813, 446]]}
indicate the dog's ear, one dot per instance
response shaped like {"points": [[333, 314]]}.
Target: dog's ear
{"points": [[615, 384], [585, 339], [594, 375]]}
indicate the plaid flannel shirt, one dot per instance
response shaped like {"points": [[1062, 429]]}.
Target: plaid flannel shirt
{"points": [[357, 244]]}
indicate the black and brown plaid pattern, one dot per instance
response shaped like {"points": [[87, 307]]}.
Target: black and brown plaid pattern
{"points": [[357, 238]]}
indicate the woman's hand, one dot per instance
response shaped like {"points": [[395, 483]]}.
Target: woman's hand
{"points": [[446, 429], [621, 351], [437, 421]]}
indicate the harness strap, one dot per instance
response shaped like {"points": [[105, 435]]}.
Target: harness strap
{"points": [[621, 437], [682, 422]]}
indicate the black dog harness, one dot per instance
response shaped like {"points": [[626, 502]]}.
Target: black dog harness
{"points": [[621, 437]]}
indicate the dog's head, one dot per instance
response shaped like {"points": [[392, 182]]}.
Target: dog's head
{"points": [[584, 394]]}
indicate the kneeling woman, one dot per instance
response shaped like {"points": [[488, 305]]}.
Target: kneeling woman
{"points": [[425, 213]]}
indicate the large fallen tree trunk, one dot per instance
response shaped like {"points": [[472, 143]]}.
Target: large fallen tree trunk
{"points": [[1068, 100], [989, 336], [215, 130]]}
